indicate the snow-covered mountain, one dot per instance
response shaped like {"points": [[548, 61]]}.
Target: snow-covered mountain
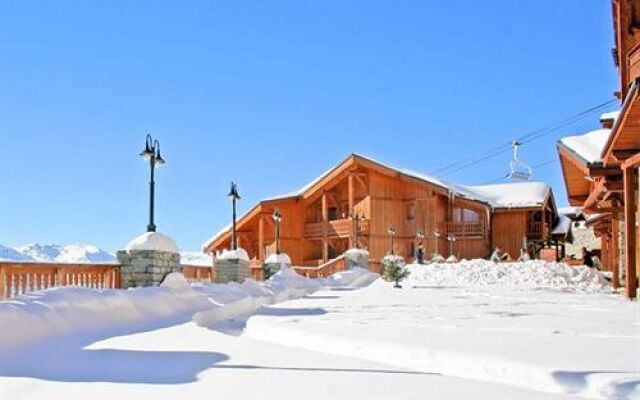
{"points": [[80, 253], [72, 253]]}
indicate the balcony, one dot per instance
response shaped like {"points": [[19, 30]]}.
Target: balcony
{"points": [[461, 229], [537, 230], [335, 228]]}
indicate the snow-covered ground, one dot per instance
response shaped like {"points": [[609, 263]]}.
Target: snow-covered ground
{"points": [[347, 336]]}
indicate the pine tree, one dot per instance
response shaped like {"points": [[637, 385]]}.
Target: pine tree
{"points": [[393, 270]]}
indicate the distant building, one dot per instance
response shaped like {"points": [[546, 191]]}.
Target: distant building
{"points": [[465, 221]]}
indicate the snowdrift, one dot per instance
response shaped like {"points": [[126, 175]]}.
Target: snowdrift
{"points": [[80, 311], [535, 274]]}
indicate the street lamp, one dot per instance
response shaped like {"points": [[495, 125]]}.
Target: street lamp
{"points": [[451, 238], [436, 234], [392, 233], [420, 250], [277, 217], [233, 193], [151, 153]]}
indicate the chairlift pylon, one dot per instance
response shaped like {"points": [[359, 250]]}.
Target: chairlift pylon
{"points": [[520, 170]]}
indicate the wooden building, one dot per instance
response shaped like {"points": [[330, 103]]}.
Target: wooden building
{"points": [[601, 168], [466, 221]]}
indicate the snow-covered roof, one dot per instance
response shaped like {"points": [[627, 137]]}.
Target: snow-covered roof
{"points": [[610, 115], [153, 241], [588, 146], [563, 226], [507, 195], [511, 195]]}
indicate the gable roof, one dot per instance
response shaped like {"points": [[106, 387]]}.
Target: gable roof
{"points": [[588, 146], [508, 195]]}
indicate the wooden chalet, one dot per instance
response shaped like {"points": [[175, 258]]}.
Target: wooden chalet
{"points": [[601, 168], [466, 221]]}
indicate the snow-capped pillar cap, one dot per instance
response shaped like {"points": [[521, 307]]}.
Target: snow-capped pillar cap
{"points": [[238, 254], [153, 241], [281, 258]]}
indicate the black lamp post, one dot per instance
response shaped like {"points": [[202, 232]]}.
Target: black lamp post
{"points": [[151, 153], [392, 233], [233, 193], [277, 217]]}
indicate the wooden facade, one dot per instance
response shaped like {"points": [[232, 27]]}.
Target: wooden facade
{"points": [[609, 187], [317, 223]]}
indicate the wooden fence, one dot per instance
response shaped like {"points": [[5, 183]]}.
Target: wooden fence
{"points": [[25, 277]]}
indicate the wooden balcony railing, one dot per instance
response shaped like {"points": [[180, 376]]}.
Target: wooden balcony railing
{"points": [[322, 271], [197, 273], [462, 229], [25, 277], [537, 230], [338, 227]]}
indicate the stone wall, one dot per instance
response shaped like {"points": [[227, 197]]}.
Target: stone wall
{"points": [[231, 270], [146, 267], [582, 237]]}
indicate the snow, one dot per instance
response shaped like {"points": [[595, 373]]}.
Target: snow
{"points": [[278, 259], [534, 274], [563, 226], [354, 250], [512, 195], [588, 146], [578, 344], [9, 254], [610, 115], [239, 254], [196, 258], [72, 253], [153, 241], [481, 337]]}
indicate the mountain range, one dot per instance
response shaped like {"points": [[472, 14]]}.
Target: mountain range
{"points": [[79, 253], [72, 253]]}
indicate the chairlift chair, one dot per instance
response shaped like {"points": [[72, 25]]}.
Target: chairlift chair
{"points": [[519, 169]]}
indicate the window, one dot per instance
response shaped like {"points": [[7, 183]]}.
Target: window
{"points": [[332, 213]]}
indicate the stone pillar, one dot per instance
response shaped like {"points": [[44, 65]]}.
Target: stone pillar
{"points": [[231, 266], [146, 267], [356, 258], [147, 259], [274, 263]]}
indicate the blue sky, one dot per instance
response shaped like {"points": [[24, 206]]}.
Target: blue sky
{"points": [[270, 94]]}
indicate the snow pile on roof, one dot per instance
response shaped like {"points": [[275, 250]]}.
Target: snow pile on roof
{"points": [[535, 274], [196, 258], [238, 254], [82, 311], [563, 226], [153, 241], [610, 115], [278, 259], [511, 195], [588, 146]]}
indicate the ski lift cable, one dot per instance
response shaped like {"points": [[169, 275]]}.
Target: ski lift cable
{"points": [[503, 148], [457, 166]]}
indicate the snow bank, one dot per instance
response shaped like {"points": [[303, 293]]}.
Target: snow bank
{"points": [[528, 275], [153, 241], [78, 311]]}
